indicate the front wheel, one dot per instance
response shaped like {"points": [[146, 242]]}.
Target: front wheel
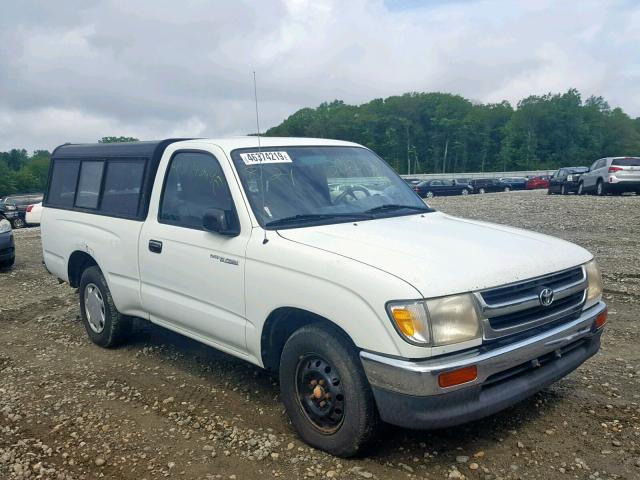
{"points": [[481, 190], [325, 391], [563, 190], [580, 189], [429, 194], [507, 189], [465, 191], [104, 324]]}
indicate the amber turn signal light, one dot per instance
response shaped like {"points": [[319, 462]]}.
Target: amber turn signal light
{"points": [[458, 377], [601, 319]]}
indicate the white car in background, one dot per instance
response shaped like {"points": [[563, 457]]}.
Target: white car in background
{"points": [[33, 214]]}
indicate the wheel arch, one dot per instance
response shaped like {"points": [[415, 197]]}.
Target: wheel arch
{"points": [[280, 325], [78, 262]]}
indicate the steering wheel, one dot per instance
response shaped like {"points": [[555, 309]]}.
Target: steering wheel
{"points": [[350, 191]]}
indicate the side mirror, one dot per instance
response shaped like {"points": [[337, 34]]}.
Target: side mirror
{"points": [[217, 220]]}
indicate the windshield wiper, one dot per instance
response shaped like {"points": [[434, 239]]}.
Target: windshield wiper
{"points": [[315, 216], [393, 206]]}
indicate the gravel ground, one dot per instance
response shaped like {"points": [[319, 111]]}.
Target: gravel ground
{"points": [[164, 406]]}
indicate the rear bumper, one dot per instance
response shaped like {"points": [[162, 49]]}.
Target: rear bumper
{"points": [[623, 186], [407, 392]]}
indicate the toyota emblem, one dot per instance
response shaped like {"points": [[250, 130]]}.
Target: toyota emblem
{"points": [[546, 296]]}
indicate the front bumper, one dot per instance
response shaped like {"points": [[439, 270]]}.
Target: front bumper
{"points": [[7, 247], [407, 392]]}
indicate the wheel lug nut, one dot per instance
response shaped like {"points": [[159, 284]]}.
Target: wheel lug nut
{"points": [[314, 383], [321, 382]]}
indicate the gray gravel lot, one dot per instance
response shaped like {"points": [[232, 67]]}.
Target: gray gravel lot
{"points": [[164, 406]]}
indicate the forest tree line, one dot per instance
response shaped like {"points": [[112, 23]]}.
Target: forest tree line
{"points": [[435, 132], [442, 132]]}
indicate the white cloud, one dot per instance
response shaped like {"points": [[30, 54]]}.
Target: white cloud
{"points": [[84, 69]]}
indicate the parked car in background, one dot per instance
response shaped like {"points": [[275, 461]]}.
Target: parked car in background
{"points": [[412, 181], [7, 248], [541, 181], [513, 183], [14, 207], [33, 214], [611, 175], [486, 185], [440, 187], [565, 180]]}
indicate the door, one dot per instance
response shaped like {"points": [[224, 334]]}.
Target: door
{"points": [[589, 178], [192, 280]]}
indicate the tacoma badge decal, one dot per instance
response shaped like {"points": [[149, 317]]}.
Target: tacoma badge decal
{"points": [[229, 261]]}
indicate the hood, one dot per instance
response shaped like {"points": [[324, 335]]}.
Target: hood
{"points": [[442, 255]]}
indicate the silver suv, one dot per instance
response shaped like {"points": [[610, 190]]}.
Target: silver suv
{"points": [[611, 175]]}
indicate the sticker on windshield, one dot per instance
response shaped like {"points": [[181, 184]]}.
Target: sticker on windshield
{"points": [[256, 158]]}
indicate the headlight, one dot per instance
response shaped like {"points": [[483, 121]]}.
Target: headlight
{"points": [[570, 178], [436, 322], [5, 226], [594, 279]]}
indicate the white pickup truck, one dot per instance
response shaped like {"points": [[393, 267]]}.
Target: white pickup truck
{"points": [[313, 259]]}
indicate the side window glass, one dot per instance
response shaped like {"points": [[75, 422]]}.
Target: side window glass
{"points": [[89, 184], [194, 183], [122, 187], [62, 186]]}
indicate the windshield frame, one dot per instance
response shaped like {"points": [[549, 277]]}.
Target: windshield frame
{"points": [[234, 155]]}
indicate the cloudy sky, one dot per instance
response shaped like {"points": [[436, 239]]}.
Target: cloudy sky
{"points": [[77, 70]]}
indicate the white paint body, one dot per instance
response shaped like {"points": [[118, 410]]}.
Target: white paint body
{"points": [[33, 217], [342, 272]]}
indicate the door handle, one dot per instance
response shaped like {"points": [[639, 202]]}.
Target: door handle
{"points": [[155, 246]]}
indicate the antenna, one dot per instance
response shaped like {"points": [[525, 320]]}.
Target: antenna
{"points": [[255, 96]]}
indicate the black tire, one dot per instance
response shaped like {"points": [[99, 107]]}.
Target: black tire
{"points": [[8, 263], [17, 223], [481, 190], [351, 415], [429, 194], [117, 327], [580, 190], [600, 188], [563, 190], [507, 189]]}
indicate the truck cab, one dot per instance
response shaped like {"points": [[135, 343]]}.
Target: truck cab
{"points": [[313, 259]]}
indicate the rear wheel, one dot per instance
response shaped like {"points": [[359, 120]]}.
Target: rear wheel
{"points": [[325, 391], [104, 324], [465, 191], [600, 188], [17, 223], [481, 190], [507, 189]]}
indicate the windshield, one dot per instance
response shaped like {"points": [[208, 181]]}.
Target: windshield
{"points": [[290, 187]]}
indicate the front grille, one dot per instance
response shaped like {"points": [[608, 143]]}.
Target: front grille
{"points": [[514, 308], [513, 292]]}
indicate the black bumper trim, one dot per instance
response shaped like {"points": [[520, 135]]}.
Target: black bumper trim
{"points": [[473, 403]]}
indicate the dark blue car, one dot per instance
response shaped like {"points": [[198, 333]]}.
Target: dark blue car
{"points": [[7, 249], [513, 183]]}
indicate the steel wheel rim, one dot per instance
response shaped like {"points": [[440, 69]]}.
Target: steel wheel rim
{"points": [[319, 393], [94, 307]]}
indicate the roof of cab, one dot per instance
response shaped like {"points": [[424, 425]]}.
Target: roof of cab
{"points": [[154, 149]]}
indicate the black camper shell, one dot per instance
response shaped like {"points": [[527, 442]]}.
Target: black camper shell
{"points": [[113, 179]]}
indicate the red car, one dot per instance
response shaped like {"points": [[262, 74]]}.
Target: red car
{"points": [[538, 182]]}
